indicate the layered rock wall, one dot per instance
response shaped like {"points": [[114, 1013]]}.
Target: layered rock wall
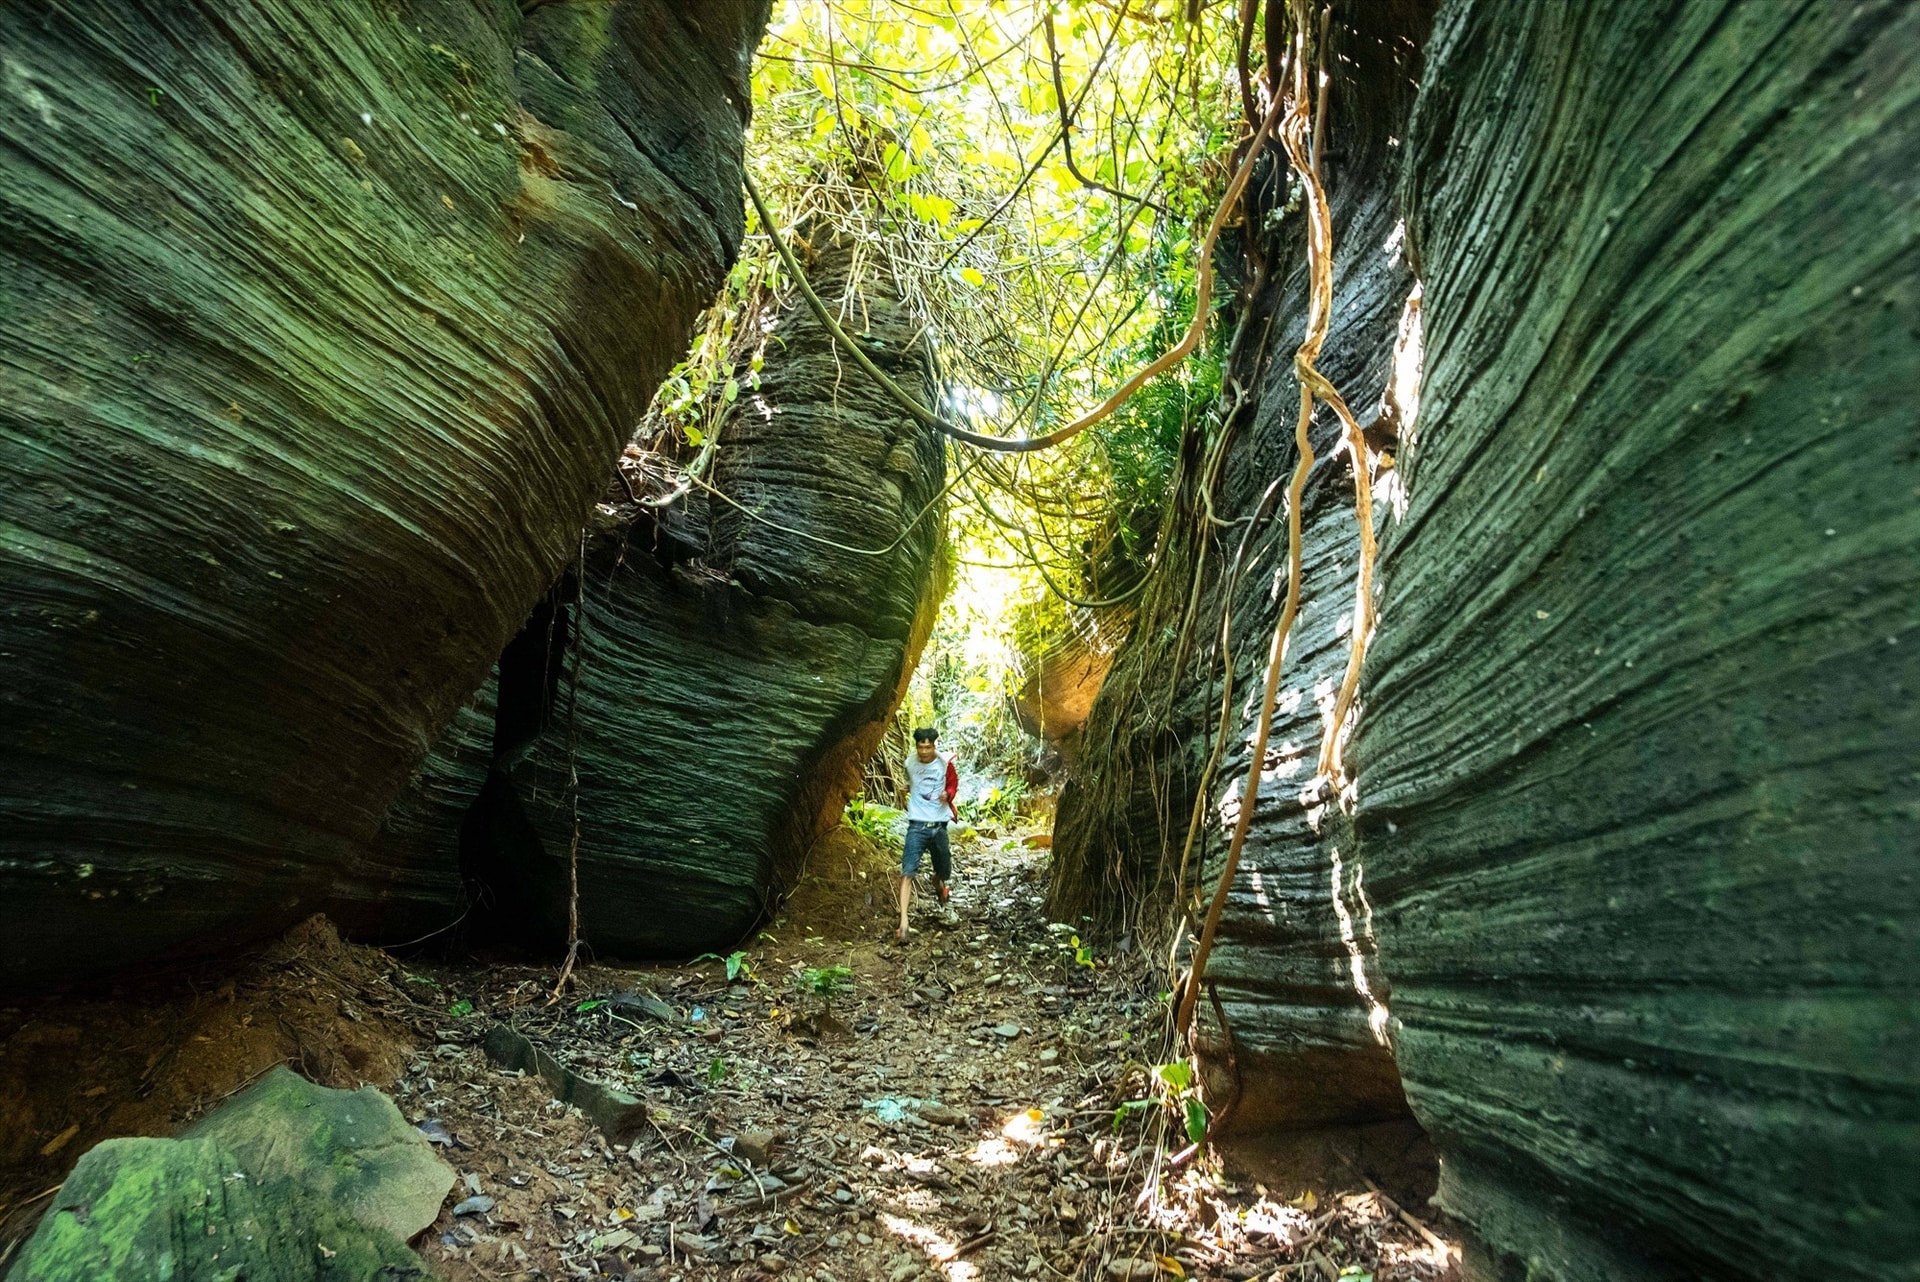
{"points": [[1301, 1048], [322, 323], [1637, 762], [694, 704], [1641, 761]]}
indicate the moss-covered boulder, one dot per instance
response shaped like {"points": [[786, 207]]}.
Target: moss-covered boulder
{"points": [[350, 1148], [288, 1182], [324, 322], [713, 674]]}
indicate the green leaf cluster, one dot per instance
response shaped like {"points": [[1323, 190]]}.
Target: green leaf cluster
{"points": [[1035, 176]]}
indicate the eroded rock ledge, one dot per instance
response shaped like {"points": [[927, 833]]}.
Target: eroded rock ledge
{"points": [[712, 678], [322, 322]]}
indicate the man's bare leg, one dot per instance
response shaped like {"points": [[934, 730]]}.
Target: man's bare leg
{"points": [[906, 897]]}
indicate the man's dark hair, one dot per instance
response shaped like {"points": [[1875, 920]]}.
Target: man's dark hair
{"points": [[925, 734]]}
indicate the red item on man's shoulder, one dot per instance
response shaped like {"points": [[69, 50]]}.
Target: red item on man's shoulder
{"points": [[953, 787]]}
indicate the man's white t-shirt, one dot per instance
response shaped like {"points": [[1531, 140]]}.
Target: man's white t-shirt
{"points": [[927, 788]]}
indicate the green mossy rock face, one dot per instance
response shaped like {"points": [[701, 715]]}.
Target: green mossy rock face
{"points": [[1294, 965], [350, 1148], [323, 323], [287, 1182], [1639, 756], [1642, 711], [147, 1210], [716, 684]]}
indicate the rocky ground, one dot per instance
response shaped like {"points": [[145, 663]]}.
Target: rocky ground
{"points": [[983, 1102]]}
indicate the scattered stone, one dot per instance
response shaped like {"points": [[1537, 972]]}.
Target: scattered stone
{"points": [[618, 1114], [435, 1133], [1008, 1031], [773, 1262], [697, 1244], [1132, 1270], [755, 1147], [614, 1241], [478, 1204], [940, 1115], [1049, 1056], [645, 1004], [907, 1271]]}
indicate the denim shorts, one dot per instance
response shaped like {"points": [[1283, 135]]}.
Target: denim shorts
{"points": [[921, 836]]}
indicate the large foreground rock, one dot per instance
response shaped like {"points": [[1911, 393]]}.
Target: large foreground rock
{"points": [[323, 323], [350, 1148], [692, 706], [288, 1182]]}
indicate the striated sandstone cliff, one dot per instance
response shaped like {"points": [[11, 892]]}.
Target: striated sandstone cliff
{"points": [[713, 681], [1633, 827], [322, 324]]}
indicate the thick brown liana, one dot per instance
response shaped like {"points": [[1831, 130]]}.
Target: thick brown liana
{"points": [[1296, 135], [1196, 328]]}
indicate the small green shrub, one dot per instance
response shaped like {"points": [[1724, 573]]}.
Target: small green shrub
{"points": [[874, 822], [821, 984]]}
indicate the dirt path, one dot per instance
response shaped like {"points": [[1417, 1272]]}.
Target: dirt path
{"points": [[951, 1114], [979, 1104]]}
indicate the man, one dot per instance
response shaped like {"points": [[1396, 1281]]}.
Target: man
{"points": [[932, 784]]}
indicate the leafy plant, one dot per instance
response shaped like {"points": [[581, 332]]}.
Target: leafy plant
{"points": [[717, 1070], [460, 1009], [1180, 1089], [874, 822], [821, 984], [737, 965], [1129, 1108], [1001, 804], [1196, 1119], [1071, 944], [592, 1003]]}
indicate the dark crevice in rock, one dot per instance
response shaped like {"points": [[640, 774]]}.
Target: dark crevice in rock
{"points": [[722, 679]]}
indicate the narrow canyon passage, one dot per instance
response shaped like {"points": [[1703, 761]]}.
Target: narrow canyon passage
{"points": [[1387, 533]]}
